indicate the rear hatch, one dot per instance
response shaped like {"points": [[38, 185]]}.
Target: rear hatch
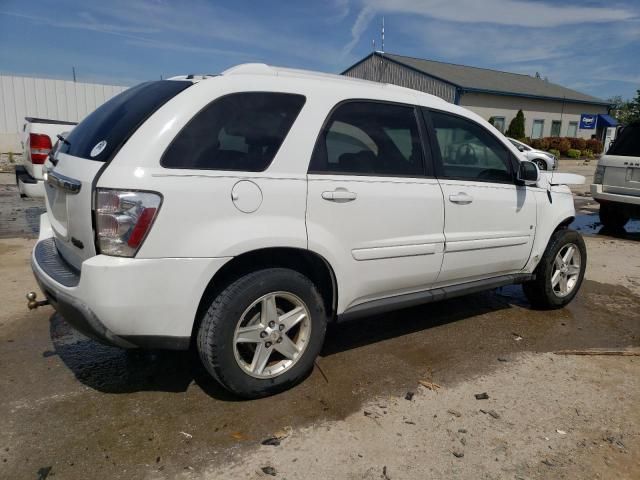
{"points": [[622, 163], [75, 165]]}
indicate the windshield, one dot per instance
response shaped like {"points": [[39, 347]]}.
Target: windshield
{"points": [[101, 134], [627, 144]]}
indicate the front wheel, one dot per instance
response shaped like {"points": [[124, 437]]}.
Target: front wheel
{"points": [[560, 271], [262, 333], [542, 165]]}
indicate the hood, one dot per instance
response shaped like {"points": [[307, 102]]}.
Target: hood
{"points": [[548, 179]]}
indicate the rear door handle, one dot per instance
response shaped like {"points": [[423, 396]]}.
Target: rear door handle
{"points": [[461, 198], [339, 195]]}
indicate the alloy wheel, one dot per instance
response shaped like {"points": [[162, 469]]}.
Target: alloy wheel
{"points": [[272, 335], [566, 270]]}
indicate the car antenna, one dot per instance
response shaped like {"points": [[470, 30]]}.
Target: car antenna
{"points": [[62, 139]]}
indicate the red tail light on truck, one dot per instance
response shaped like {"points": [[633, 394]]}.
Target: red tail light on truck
{"points": [[39, 147]]}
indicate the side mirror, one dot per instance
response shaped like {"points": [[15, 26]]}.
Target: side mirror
{"points": [[528, 173]]}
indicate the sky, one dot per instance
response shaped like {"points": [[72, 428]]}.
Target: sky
{"points": [[591, 46]]}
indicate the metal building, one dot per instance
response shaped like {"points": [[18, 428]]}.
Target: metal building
{"points": [[45, 98], [549, 109]]}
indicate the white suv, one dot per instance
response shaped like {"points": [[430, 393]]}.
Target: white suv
{"points": [[241, 213], [616, 182]]}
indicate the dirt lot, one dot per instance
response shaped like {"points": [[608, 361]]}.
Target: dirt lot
{"points": [[74, 409]]}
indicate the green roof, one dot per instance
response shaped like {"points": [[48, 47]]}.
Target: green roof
{"points": [[475, 79]]}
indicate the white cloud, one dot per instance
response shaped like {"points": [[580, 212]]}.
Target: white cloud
{"points": [[519, 13], [342, 8]]}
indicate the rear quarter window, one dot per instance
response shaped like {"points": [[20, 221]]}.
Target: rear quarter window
{"points": [[628, 142], [240, 131], [117, 119]]}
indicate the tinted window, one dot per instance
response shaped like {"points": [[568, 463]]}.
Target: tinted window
{"points": [[116, 120], [241, 131], [628, 142], [367, 138], [468, 151]]}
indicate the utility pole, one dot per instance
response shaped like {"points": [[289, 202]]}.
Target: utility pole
{"points": [[73, 69]]}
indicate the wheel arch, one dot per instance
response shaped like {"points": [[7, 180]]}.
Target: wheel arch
{"points": [[564, 223], [311, 264]]}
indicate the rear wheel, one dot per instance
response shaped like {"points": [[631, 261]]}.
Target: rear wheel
{"points": [[613, 216], [263, 332], [560, 271]]}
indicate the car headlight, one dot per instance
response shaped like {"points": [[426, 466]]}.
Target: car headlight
{"points": [[598, 176]]}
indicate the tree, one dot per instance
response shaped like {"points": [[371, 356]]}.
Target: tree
{"points": [[492, 121], [634, 108], [626, 111], [516, 127]]}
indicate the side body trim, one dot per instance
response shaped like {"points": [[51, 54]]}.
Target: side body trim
{"points": [[394, 251], [388, 304]]}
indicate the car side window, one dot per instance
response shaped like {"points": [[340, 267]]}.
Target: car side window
{"points": [[468, 151], [369, 138], [241, 131]]}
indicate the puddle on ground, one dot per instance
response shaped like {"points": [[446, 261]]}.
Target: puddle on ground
{"points": [[133, 405], [589, 224]]}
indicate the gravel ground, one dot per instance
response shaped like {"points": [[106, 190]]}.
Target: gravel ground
{"points": [[547, 416]]}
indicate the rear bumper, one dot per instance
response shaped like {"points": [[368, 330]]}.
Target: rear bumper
{"points": [[74, 311], [126, 302], [600, 196], [28, 186]]}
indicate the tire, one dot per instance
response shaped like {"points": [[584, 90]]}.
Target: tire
{"points": [[542, 292], [542, 165], [613, 216], [234, 363]]}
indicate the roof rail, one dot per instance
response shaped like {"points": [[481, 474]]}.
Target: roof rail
{"points": [[193, 77], [251, 68]]}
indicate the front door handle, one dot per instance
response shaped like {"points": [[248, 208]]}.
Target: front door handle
{"points": [[461, 198], [339, 195]]}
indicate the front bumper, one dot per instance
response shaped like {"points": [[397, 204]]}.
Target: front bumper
{"points": [[126, 302], [28, 186]]}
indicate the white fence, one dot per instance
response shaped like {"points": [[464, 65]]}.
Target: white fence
{"points": [[45, 98]]}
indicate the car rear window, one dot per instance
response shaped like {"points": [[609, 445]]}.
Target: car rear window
{"points": [[240, 131], [628, 142], [117, 119]]}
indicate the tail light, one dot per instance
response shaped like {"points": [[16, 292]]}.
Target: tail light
{"points": [[40, 146], [123, 220], [598, 175]]}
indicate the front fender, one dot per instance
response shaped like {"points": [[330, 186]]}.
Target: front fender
{"points": [[550, 216]]}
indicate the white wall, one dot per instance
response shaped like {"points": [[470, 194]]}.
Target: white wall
{"points": [[45, 98], [487, 105]]}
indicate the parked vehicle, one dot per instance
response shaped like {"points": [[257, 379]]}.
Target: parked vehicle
{"points": [[38, 137], [240, 214], [544, 160], [616, 182]]}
